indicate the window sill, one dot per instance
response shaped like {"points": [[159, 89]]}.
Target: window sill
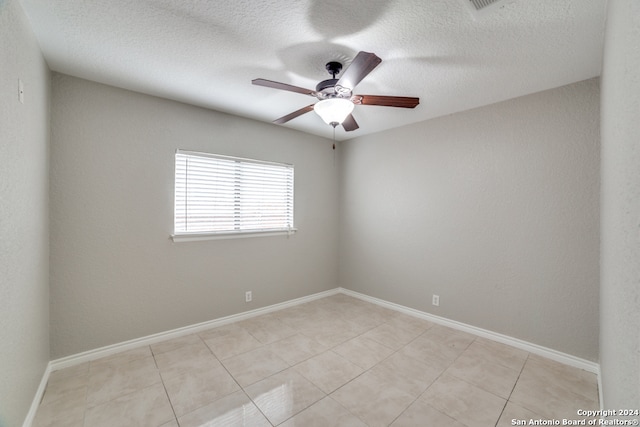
{"points": [[177, 238]]}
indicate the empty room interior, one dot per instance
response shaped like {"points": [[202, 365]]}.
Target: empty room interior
{"points": [[459, 247]]}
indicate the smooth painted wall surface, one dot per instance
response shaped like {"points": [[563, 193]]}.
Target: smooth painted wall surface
{"points": [[620, 208], [24, 215], [496, 210], [115, 273]]}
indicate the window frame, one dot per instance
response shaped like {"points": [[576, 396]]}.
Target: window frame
{"points": [[184, 236]]}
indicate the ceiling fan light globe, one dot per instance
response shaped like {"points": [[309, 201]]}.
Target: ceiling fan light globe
{"points": [[333, 110]]}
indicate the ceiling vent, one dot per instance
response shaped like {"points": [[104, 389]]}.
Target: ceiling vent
{"points": [[482, 7]]}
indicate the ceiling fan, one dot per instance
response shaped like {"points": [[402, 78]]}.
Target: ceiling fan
{"points": [[335, 98]]}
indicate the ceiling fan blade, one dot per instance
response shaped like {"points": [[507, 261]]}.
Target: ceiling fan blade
{"points": [[283, 86], [362, 64], [285, 119], [386, 101], [350, 123]]}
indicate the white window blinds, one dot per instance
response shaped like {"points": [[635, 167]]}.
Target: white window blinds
{"points": [[221, 194]]}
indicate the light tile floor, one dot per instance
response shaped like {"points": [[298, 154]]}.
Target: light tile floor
{"points": [[336, 361]]}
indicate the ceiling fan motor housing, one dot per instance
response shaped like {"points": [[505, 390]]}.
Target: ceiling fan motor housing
{"points": [[328, 88]]}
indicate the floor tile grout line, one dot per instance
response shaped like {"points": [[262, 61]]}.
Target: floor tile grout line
{"points": [[346, 409], [480, 386], [166, 392], [263, 345], [326, 395], [512, 389], [438, 377], [211, 351], [265, 415], [245, 392], [126, 394], [175, 416], [200, 407], [394, 351], [377, 364]]}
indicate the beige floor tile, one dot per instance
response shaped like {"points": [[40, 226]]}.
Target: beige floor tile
{"points": [[174, 344], [191, 391], [410, 322], [291, 317], [235, 409], [464, 402], [301, 324], [267, 328], [554, 390], [289, 360], [314, 308], [393, 336], [331, 332], [253, 366], [324, 413], [379, 313], [296, 348], [328, 371], [578, 380], [59, 386], [363, 351], [439, 346], [108, 381], [514, 412], [64, 422], [120, 358], [422, 414], [79, 370], [219, 331], [230, 340], [301, 316], [191, 358], [489, 376], [496, 352], [283, 395], [362, 322], [148, 407], [407, 373], [373, 400], [66, 410]]}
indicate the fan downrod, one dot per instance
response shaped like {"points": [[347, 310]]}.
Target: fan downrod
{"points": [[326, 87]]}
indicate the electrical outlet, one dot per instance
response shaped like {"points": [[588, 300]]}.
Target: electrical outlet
{"points": [[247, 296], [435, 300]]}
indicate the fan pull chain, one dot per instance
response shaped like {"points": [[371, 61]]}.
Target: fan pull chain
{"points": [[334, 138]]}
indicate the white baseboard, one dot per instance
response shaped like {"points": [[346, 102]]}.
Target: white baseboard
{"points": [[600, 393], [31, 415], [98, 353], [76, 359], [558, 356], [86, 356]]}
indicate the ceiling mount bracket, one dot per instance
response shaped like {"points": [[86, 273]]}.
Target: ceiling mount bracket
{"points": [[333, 67]]}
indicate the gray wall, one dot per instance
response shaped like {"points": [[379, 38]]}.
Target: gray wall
{"points": [[115, 273], [24, 219], [620, 208], [496, 210]]}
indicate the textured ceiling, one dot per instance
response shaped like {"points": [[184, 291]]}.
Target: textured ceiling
{"points": [[207, 52]]}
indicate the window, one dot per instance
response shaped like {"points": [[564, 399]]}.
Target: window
{"points": [[229, 196]]}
